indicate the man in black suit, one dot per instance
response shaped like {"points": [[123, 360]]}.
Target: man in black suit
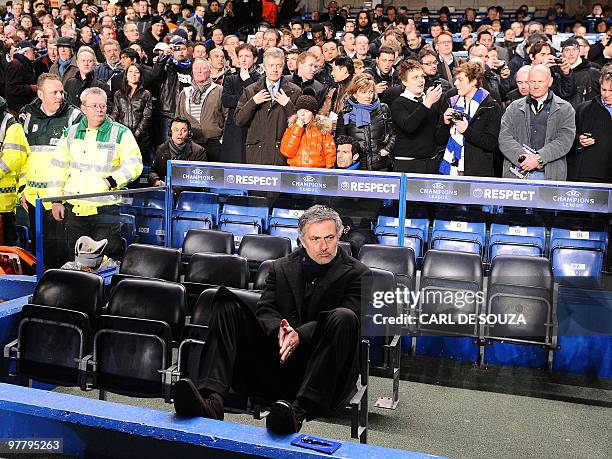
{"points": [[302, 342]]}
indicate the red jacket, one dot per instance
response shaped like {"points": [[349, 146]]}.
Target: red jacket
{"points": [[309, 146]]}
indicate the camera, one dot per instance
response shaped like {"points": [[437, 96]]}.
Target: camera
{"points": [[522, 158], [457, 115]]}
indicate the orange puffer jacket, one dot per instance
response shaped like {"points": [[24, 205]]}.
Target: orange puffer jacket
{"points": [[309, 146]]}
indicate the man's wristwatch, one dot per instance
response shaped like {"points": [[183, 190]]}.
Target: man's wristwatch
{"points": [[539, 158]]}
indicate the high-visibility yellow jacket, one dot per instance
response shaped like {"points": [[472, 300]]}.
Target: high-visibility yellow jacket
{"points": [[43, 133], [88, 160], [13, 154]]}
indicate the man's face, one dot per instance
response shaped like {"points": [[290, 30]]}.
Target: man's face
{"points": [[378, 11], [131, 32], [539, 83], [413, 40], [201, 72], [571, 54], [86, 63], [444, 46], [64, 53], [217, 36], [362, 19], [339, 73], [297, 30], [479, 54], [111, 53], [320, 240], [52, 51], [385, 62], [362, 44], [199, 52], [349, 26], [292, 62], [217, 59], [52, 95], [175, 8], [486, 40], [200, 11], [157, 28], [214, 7], [344, 155], [606, 92], [430, 65], [94, 108], [550, 29], [542, 56], [517, 27], [332, 7], [522, 82], [126, 61], [584, 48], [143, 8], [179, 133], [307, 69], [107, 33], [269, 40], [273, 68], [435, 31], [179, 52], [348, 41], [319, 55], [414, 81], [330, 52]]}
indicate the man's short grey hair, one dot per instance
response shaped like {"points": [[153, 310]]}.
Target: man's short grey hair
{"points": [[86, 49], [111, 41], [318, 213], [93, 92], [524, 69], [274, 53]]}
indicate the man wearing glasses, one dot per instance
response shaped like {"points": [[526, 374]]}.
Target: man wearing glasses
{"points": [[443, 44], [94, 156]]}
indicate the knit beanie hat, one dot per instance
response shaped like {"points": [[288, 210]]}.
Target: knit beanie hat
{"points": [[308, 103]]}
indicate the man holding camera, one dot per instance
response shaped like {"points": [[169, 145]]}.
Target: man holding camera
{"points": [[537, 131]]}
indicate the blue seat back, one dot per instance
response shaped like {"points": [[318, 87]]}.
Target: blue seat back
{"points": [[287, 213], [419, 223], [459, 236], [240, 225], [577, 258], [413, 238], [200, 201], [183, 221], [285, 227]]}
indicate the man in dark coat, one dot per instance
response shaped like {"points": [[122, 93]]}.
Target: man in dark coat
{"points": [[86, 61], [300, 347], [20, 79], [590, 160], [264, 108]]}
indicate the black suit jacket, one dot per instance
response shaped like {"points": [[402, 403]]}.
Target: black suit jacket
{"points": [[283, 294]]}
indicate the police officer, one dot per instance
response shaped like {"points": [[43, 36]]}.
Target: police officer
{"points": [[94, 156], [13, 155], [44, 121]]}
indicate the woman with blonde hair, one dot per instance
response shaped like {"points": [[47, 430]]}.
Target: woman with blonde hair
{"points": [[368, 121]]}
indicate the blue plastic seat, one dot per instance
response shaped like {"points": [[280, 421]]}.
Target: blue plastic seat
{"points": [[248, 205], [287, 213], [200, 201], [183, 221], [240, 225], [459, 236], [128, 228], [413, 238], [577, 253], [285, 227], [516, 240]]}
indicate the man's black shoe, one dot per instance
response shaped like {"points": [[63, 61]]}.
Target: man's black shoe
{"points": [[284, 418], [189, 402]]}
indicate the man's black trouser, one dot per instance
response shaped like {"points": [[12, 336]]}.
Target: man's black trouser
{"points": [[104, 225], [55, 249], [240, 355], [9, 231]]}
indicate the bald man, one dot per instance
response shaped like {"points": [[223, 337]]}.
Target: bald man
{"points": [[541, 127], [522, 85]]}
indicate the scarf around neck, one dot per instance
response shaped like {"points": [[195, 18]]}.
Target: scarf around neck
{"points": [[63, 65], [197, 92], [180, 64], [176, 151], [361, 113]]}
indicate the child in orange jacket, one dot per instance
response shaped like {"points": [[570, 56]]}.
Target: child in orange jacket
{"points": [[308, 141]]}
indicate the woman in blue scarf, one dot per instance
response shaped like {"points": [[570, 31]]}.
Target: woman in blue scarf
{"points": [[368, 121]]}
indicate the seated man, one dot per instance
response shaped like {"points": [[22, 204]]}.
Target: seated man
{"points": [[302, 343]]}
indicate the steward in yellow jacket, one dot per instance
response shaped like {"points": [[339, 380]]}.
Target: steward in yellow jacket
{"points": [[94, 156], [13, 153]]}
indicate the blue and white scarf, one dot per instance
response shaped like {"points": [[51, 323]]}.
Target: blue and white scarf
{"points": [[454, 146]]}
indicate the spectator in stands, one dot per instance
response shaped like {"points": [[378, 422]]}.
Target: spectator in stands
{"points": [[85, 78], [234, 136], [470, 126], [179, 146], [264, 108], [497, 85], [197, 20], [112, 66], [153, 35], [591, 160], [348, 153], [299, 37], [600, 53], [316, 371], [172, 72], [304, 77], [82, 167], [51, 114], [383, 73], [540, 127], [308, 140], [362, 48], [586, 75], [415, 115], [522, 85], [15, 150], [44, 63], [330, 53], [368, 121], [342, 72], [521, 57], [20, 78], [218, 65], [429, 61], [563, 85], [486, 38], [131, 34], [201, 104], [348, 44], [447, 62], [415, 42], [291, 62], [133, 107]]}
